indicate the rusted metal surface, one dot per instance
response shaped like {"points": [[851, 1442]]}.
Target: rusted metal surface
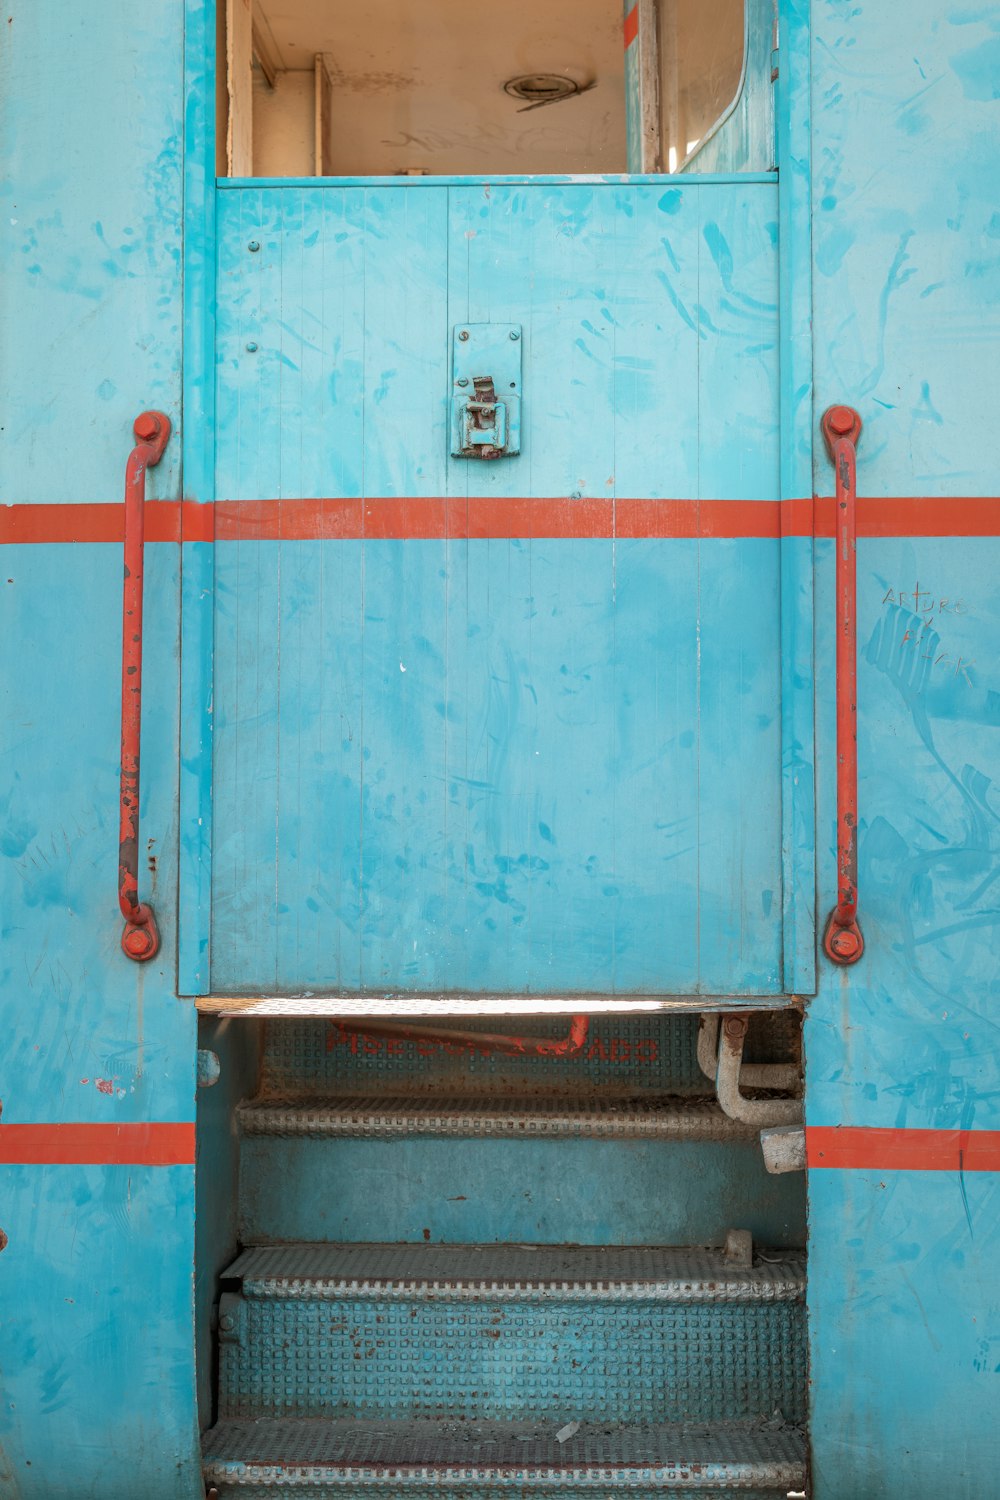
{"points": [[479, 1041], [754, 1075], [756, 1112], [842, 940], [141, 938]]}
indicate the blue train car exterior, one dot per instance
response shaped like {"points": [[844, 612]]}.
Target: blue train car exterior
{"points": [[555, 734]]}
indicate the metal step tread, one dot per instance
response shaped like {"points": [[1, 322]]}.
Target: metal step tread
{"points": [[299, 1452], [516, 1273], [379, 1117]]}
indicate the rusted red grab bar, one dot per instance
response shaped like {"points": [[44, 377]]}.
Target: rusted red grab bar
{"points": [[842, 940], [510, 1046], [141, 938]]}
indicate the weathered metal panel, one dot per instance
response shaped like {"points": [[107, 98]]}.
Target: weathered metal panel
{"points": [[98, 1074], [497, 754], [905, 1315]]}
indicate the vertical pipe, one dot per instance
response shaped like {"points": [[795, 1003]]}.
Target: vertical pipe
{"points": [[140, 940], [842, 940]]}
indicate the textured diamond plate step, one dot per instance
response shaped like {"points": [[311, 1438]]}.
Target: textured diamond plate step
{"points": [[382, 1118], [422, 1460], [516, 1272], [623, 1056], [511, 1333]]}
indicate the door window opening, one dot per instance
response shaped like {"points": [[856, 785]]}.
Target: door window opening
{"points": [[396, 89]]}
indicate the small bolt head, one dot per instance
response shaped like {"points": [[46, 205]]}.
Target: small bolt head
{"points": [[463, 381], [845, 944], [227, 1322], [734, 1026], [514, 333], [139, 942], [146, 427], [463, 335], [251, 347], [253, 246], [841, 420]]}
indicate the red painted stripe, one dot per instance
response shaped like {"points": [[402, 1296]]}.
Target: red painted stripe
{"points": [[147, 1143], [921, 515], [860, 1148], [631, 26], [499, 517], [86, 522], [197, 522], [438, 517]]}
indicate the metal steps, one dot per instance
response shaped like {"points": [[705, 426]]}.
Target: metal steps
{"points": [[490, 1333], [424, 1459], [455, 1280]]}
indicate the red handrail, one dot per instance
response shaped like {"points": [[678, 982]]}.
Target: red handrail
{"points": [[511, 1046], [141, 939], [842, 940]]}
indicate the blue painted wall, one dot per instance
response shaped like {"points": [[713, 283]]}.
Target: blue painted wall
{"points": [[98, 1361], [98, 1352], [904, 1305]]}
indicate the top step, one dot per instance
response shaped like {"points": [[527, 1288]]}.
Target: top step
{"points": [[622, 1057], [381, 1117]]}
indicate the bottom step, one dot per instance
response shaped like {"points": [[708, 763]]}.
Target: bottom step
{"points": [[466, 1461]]}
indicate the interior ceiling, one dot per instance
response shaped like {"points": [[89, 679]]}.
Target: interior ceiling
{"points": [[420, 85]]}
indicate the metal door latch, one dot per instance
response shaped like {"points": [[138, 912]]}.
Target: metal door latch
{"points": [[486, 386]]}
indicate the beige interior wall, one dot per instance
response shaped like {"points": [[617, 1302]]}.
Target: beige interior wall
{"points": [[417, 85], [283, 125]]}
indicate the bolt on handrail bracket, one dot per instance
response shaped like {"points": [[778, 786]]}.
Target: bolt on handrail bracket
{"points": [[842, 940], [141, 938]]}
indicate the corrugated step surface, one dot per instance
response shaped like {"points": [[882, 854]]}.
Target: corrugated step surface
{"points": [[422, 1460], [382, 1118], [512, 1332], [623, 1056]]}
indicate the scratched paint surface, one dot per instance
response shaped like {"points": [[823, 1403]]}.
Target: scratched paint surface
{"points": [[904, 1311], [500, 764], [95, 1281]]}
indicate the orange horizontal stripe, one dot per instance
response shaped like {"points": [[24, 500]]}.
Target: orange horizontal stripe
{"points": [[86, 522], [864, 1148], [631, 26], [438, 517], [147, 1143], [500, 517]]}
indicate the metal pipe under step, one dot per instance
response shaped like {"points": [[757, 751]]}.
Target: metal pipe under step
{"points": [[757, 1112], [753, 1075]]}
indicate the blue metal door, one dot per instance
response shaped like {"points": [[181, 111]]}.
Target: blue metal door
{"points": [[508, 725]]}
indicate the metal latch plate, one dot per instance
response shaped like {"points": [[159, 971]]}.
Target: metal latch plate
{"points": [[486, 390]]}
